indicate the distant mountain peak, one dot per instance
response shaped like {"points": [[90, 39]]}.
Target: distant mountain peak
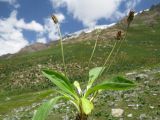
{"points": [[34, 47]]}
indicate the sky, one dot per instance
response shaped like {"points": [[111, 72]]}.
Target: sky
{"points": [[25, 22]]}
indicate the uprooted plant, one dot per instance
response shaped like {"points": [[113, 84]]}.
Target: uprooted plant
{"points": [[83, 99]]}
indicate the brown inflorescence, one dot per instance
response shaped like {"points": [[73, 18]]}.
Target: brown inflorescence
{"points": [[130, 17], [54, 18], [119, 35]]}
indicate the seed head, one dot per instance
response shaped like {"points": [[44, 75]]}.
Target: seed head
{"points": [[119, 35], [54, 18], [130, 17]]}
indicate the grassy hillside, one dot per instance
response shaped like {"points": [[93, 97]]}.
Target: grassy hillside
{"points": [[22, 72]]}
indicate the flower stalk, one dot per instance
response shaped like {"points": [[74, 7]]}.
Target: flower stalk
{"points": [[55, 20], [95, 45], [119, 36]]}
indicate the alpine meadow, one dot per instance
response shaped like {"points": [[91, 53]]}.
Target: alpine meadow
{"points": [[110, 72]]}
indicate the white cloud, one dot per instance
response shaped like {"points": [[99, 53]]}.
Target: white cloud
{"points": [[50, 29], [12, 42], [11, 2], [21, 24], [11, 33], [33, 26], [60, 17], [90, 11]]}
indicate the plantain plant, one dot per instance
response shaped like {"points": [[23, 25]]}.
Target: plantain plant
{"points": [[83, 100]]}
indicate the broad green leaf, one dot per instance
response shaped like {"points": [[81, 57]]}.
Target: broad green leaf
{"points": [[59, 76], [77, 85], [67, 96], [120, 79], [117, 83], [87, 106], [44, 109], [93, 75], [60, 81]]}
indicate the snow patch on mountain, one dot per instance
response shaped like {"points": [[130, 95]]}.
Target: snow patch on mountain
{"points": [[87, 30], [146, 10]]}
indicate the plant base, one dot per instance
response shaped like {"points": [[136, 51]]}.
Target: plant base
{"points": [[81, 117]]}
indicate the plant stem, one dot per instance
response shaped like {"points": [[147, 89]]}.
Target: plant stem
{"points": [[114, 46], [121, 41], [95, 95], [95, 45], [62, 51]]}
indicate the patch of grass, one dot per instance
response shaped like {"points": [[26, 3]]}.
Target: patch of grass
{"points": [[8, 103]]}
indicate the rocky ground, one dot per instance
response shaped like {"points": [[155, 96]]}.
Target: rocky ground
{"points": [[141, 103]]}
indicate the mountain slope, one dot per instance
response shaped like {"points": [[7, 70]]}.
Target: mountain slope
{"points": [[23, 70]]}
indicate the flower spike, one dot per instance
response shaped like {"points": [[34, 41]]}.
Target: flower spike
{"points": [[54, 18], [119, 35], [130, 17]]}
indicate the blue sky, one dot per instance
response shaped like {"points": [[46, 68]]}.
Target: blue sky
{"points": [[24, 22]]}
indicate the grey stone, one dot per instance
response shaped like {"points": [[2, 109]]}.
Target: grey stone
{"points": [[117, 112]]}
